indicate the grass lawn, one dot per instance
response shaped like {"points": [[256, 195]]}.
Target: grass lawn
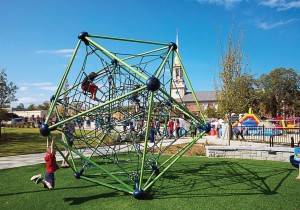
{"points": [[192, 183], [19, 141]]}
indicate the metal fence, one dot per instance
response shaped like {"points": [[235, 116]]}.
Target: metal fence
{"points": [[274, 136]]}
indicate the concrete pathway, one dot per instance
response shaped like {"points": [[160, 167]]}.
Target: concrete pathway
{"points": [[32, 159]]}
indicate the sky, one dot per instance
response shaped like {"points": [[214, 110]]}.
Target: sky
{"points": [[38, 37]]}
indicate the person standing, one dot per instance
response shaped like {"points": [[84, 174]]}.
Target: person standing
{"points": [[171, 128], [152, 131], [157, 126], [68, 138], [193, 130], [183, 129], [135, 98], [218, 129], [177, 127], [88, 122], [125, 124], [238, 131]]}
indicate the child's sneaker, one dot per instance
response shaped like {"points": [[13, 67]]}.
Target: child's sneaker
{"points": [[48, 185], [35, 177], [39, 180]]}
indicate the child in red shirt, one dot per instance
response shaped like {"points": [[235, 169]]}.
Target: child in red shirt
{"points": [[88, 85], [171, 128], [51, 167]]}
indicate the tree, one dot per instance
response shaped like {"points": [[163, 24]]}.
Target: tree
{"points": [[20, 106], [280, 92], [235, 85], [7, 94], [211, 112], [44, 106], [31, 107], [7, 90]]}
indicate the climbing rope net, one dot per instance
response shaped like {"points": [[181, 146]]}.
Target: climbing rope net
{"points": [[107, 133]]}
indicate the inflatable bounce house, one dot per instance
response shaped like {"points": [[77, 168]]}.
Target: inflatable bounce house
{"points": [[249, 119], [255, 126]]}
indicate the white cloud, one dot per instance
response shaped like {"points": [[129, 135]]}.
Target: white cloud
{"points": [[62, 51], [267, 26], [42, 84], [34, 93], [228, 4], [51, 88], [23, 88], [27, 100], [281, 5]]}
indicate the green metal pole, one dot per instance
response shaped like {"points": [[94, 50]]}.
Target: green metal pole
{"points": [[107, 185], [163, 63], [128, 40], [68, 148], [172, 163], [62, 81], [115, 57], [97, 145], [183, 111], [170, 158], [145, 53], [97, 165], [63, 156], [97, 107], [191, 88], [146, 140], [182, 107]]}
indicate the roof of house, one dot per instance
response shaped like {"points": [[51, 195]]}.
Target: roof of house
{"points": [[201, 96]]}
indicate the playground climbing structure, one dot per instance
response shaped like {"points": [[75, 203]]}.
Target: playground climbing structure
{"points": [[133, 81]]}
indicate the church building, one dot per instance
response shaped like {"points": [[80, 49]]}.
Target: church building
{"points": [[179, 90]]}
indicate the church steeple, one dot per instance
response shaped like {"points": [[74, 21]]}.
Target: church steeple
{"points": [[176, 60], [178, 89]]}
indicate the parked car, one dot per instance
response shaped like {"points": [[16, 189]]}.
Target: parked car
{"points": [[17, 121]]}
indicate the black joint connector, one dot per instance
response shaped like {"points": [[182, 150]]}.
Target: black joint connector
{"points": [[114, 62], [174, 45], [82, 36]]}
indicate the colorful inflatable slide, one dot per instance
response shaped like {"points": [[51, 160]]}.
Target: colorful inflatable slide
{"points": [[249, 119], [254, 126]]}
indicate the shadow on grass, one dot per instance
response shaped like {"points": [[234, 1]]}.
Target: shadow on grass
{"points": [[193, 179], [212, 179], [81, 200], [43, 190], [223, 178]]}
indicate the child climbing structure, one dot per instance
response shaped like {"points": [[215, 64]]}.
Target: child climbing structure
{"points": [[130, 87]]}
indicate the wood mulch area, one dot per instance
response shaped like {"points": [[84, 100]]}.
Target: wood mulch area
{"points": [[195, 150]]}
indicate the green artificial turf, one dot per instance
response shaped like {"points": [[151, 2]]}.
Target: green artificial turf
{"points": [[192, 183]]}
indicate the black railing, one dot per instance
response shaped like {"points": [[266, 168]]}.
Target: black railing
{"points": [[278, 136]]}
